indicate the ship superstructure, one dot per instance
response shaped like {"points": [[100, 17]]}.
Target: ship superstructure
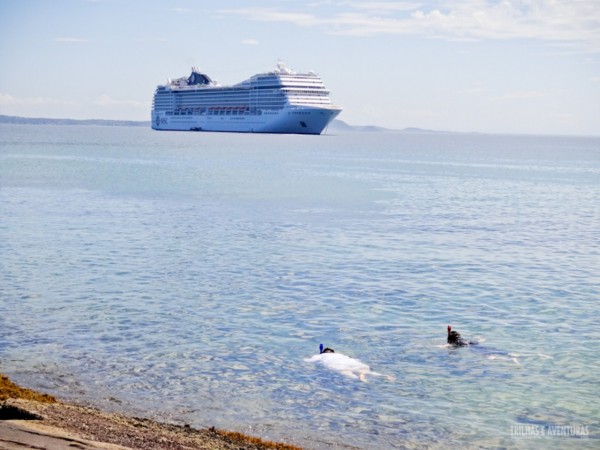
{"points": [[281, 101]]}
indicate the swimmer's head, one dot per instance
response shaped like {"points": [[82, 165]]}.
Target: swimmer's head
{"points": [[454, 338], [325, 350]]}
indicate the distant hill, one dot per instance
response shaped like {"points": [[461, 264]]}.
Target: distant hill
{"points": [[45, 121], [337, 126], [341, 126]]}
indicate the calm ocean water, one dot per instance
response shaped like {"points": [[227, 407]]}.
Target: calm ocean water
{"points": [[186, 277]]}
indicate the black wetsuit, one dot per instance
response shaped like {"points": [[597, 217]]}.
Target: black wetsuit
{"points": [[455, 339]]}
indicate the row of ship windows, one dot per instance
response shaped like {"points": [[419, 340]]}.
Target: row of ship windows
{"points": [[221, 112], [309, 102], [200, 98], [296, 79], [228, 99], [229, 103], [305, 91], [218, 108], [215, 102], [235, 103], [191, 103], [224, 111], [242, 100], [256, 93], [281, 82]]}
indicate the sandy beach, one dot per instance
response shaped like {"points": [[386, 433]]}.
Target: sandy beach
{"points": [[29, 419]]}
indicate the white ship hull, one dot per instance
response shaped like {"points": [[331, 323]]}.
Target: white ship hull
{"points": [[281, 101], [290, 120]]}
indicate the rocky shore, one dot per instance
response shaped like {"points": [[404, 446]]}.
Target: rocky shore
{"points": [[29, 419]]}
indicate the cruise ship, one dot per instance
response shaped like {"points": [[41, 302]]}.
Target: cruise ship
{"points": [[281, 101]]}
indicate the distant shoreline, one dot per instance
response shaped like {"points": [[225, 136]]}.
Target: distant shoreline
{"points": [[17, 120], [337, 125]]}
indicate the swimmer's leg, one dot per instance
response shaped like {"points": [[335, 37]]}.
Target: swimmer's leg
{"points": [[377, 374], [350, 374]]}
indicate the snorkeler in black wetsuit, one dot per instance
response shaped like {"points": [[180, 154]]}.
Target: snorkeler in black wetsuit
{"points": [[455, 339]]}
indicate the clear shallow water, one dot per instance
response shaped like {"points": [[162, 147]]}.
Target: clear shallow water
{"points": [[186, 276]]}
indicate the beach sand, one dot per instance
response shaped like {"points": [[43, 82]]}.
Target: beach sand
{"points": [[29, 419]]}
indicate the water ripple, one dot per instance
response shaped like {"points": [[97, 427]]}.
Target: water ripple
{"points": [[143, 274]]}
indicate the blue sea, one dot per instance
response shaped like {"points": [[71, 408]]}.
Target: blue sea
{"points": [[186, 277]]}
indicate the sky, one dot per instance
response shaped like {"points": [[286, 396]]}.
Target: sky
{"points": [[492, 66]]}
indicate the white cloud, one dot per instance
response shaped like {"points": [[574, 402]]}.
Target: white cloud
{"points": [[105, 100], [102, 107], [273, 15], [575, 22], [9, 100], [386, 6], [249, 42]]}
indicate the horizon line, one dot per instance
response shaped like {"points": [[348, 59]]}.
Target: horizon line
{"points": [[355, 128]]}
